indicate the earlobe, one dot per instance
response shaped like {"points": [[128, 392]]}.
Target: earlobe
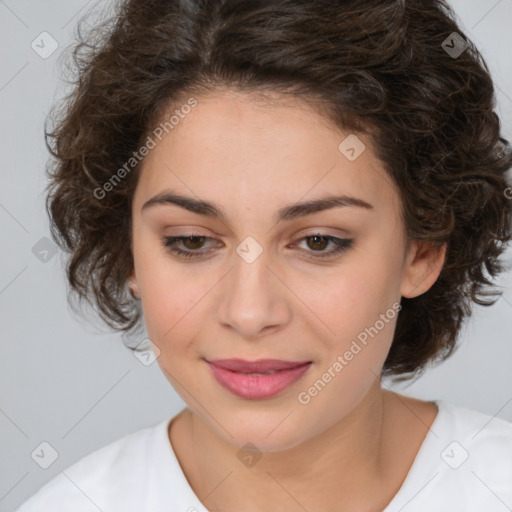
{"points": [[132, 286], [424, 264]]}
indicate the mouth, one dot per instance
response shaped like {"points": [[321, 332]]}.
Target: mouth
{"points": [[257, 379]]}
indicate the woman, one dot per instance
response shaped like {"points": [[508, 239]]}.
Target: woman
{"points": [[301, 197]]}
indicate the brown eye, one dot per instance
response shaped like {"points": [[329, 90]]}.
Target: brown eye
{"points": [[318, 242], [192, 245], [195, 242]]}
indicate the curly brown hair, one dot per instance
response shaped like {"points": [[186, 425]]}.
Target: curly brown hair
{"points": [[372, 67]]}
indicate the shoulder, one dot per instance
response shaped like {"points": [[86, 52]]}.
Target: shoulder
{"points": [[115, 473], [477, 458], [464, 463], [485, 438]]}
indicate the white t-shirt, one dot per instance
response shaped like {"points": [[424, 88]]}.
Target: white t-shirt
{"points": [[463, 465]]}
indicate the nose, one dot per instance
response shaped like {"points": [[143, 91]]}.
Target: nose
{"points": [[254, 299]]}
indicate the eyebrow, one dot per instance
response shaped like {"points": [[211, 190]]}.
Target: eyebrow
{"points": [[289, 212]]}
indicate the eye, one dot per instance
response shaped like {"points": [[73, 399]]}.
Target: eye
{"points": [[194, 243], [318, 242]]}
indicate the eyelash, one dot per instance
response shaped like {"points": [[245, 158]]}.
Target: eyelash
{"points": [[341, 245]]}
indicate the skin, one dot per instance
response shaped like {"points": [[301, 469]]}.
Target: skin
{"points": [[253, 157]]}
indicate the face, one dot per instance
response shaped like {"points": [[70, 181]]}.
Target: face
{"points": [[317, 288]]}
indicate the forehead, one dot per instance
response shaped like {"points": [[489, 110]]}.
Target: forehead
{"points": [[240, 149]]}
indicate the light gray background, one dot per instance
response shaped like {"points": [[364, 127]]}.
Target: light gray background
{"points": [[78, 390]]}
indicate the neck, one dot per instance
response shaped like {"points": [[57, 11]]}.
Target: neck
{"points": [[351, 449]]}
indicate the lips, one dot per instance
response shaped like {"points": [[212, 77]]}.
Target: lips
{"points": [[257, 379], [261, 366]]}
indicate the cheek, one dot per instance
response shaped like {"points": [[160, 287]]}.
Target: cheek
{"points": [[355, 297], [169, 306], [173, 300], [360, 306], [361, 309], [162, 295]]}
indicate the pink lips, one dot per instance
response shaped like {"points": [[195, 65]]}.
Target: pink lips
{"points": [[238, 376]]}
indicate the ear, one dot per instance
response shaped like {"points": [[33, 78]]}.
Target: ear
{"points": [[424, 261], [133, 286]]}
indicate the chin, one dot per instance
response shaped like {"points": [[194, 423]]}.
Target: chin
{"points": [[267, 432]]}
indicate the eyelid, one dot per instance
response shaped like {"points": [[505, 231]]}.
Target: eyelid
{"points": [[185, 232], [341, 245]]}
